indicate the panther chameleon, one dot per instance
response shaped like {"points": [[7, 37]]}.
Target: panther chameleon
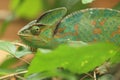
{"points": [[54, 27]]}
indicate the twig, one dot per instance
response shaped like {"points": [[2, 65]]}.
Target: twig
{"points": [[21, 78], [23, 60], [19, 44], [84, 77], [95, 75], [20, 62], [87, 74], [13, 74]]}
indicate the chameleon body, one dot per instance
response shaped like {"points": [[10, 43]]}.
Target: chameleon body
{"points": [[89, 25]]}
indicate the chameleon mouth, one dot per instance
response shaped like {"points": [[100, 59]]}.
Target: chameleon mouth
{"points": [[22, 33], [25, 35]]}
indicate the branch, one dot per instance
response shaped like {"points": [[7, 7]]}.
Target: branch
{"points": [[13, 74]]}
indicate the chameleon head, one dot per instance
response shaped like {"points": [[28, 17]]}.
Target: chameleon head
{"points": [[39, 33]]}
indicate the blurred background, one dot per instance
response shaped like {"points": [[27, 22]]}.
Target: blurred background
{"points": [[14, 14]]}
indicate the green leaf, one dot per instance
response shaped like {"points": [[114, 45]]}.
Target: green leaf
{"points": [[6, 67], [116, 58], [87, 1], [8, 62], [11, 48], [75, 59], [35, 76], [5, 71], [10, 18], [7, 46], [28, 9], [21, 52], [5, 24]]}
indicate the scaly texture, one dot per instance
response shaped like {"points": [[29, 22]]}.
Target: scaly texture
{"points": [[89, 25]]}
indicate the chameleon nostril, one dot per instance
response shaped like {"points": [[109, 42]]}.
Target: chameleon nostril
{"points": [[26, 32]]}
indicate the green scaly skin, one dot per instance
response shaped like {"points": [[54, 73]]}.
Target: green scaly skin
{"points": [[89, 25]]}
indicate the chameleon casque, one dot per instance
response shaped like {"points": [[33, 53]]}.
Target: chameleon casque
{"points": [[89, 25]]}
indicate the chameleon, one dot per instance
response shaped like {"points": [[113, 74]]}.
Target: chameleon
{"points": [[89, 25]]}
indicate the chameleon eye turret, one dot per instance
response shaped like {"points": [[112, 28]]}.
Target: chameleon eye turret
{"points": [[35, 30]]}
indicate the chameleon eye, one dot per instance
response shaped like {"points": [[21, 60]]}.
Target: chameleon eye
{"points": [[35, 30]]}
